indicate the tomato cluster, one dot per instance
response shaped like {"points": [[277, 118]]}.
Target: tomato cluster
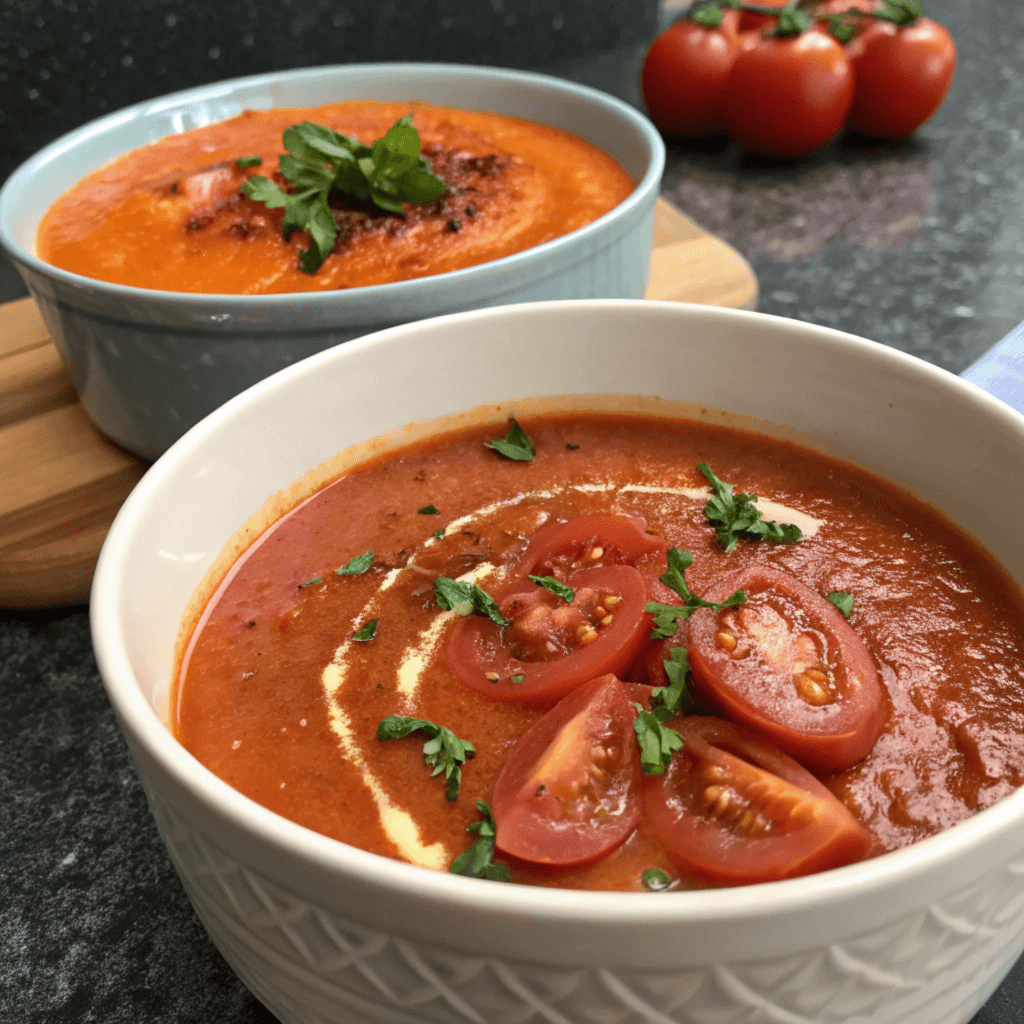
{"points": [[783, 686], [785, 83]]}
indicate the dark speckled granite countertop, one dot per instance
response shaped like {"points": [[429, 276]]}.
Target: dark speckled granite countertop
{"points": [[918, 245]]}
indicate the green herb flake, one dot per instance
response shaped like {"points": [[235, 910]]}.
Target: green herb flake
{"points": [[515, 445], [656, 880], [675, 698], [477, 862], [309, 583], [517, 678], [428, 510], [356, 566], [736, 516], [443, 751], [467, 598], [556, 587], [573, 447], [668, 616], [843, 601], [368, 632], [248, 161], [320, 160], [657, 741], [438, 534]]}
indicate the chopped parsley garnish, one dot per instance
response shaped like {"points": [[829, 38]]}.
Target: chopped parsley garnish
{"points": [[368, 632], [517, 678], [668, 616], [248, 161], [514, 445], [657, 741], [656, 880], [443, 751], [736, 515], [309, 583], [438, 534], [476, 861], [428, 510], [467, 598], [320, 160], [843, 601], [573, 447], [356, 566], [675, 698], [559, 589]]}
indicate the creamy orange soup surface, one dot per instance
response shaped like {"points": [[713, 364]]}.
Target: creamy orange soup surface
{"points": [[170, 215], [796, 754]]}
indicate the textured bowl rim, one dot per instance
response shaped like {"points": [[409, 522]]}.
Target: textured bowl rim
{"points": [[296, 301], [139, 719]]}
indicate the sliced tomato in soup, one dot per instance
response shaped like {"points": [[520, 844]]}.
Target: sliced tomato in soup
{"points": [[557, 549], [789, 666], [733, 809], [551, 646], [569, 790]]}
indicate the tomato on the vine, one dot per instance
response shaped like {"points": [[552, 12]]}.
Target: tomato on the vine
{"points": [[787, 665], [569, 790], [552, 646], [789, 94], [734, 810], [903, 73], [684, 74]]}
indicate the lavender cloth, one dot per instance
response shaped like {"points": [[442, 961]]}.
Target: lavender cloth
{"points": [[1000, 371]]}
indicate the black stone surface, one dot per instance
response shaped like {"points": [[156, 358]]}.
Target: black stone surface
{"points": [[918, 245]]}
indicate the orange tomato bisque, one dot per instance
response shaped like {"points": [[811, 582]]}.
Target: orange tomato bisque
{"points": [[170, 215], [817, 733]]}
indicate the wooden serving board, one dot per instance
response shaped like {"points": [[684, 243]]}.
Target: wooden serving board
{"points": [[62, 482]]}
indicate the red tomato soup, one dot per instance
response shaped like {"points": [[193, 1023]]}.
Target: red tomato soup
{"points": [[171, 215], [576, 652]]}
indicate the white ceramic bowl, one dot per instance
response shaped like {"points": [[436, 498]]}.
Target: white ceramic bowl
{"points": [[149, 364], [321, 931]]}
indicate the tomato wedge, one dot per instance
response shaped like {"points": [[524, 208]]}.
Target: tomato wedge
{"points": [[788, 665], [735, 810], [550, 647], [559, 548], [569, 790]]}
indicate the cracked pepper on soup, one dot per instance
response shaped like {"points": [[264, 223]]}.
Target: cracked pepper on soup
{"points": [[608, 651], [366, 193]]}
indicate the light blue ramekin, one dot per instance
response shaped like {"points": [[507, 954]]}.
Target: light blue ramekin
{"points": [[149, 364]]}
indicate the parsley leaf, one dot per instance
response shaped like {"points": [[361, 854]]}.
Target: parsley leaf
{"points": [[668, 616], [657, 741], [368, 632], [443, 751], [309, 583], [656, 880], [515, 445], [356, 566], [438, 535], [675, 698], [843, 601], [467, 598], [320, 160], [248, 161], [428, 510], [476, 861], [559, 589], [738, 516]]}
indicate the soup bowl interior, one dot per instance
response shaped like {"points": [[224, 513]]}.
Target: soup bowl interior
{"points": [[149, 364], [322, 931]]}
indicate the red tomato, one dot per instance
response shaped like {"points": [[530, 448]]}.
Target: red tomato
{"points": [[903, 74], [789, 94], [735, 810], [788, 665], [559, 548], [569, 790], [548, 648], [684, 73]]}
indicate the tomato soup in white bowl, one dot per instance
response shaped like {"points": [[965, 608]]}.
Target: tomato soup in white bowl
{"points": [[877, 928]]}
